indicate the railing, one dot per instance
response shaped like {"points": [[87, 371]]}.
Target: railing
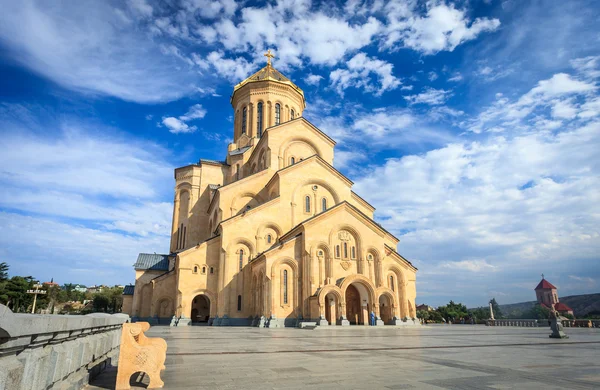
{"points": [[55, 351], [583, 323], [516, 322]]}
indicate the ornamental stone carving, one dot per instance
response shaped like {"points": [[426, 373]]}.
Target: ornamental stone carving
{"points": [[344, 235]]}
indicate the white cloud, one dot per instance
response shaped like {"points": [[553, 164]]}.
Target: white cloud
{"points": [[429, 96], [358, 75], [457, 77], [195, 112], [346, 158], [443, 28], [469, 265], [582, 278], [234, 70], [210, 9], [523, 199], [87, 198], [432, 76], [90, 47], [179, 125], [556, 92], [313, 79], [563, 109], [140, 8], [588, 66], [590, 108]]}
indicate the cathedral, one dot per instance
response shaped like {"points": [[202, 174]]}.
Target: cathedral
{"points": [[273, 236]]}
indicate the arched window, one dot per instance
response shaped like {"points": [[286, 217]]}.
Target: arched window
{"points": [[212, 270], [354, 252], [292, 161], [259, 119], [345, 250], [203, 270], [392, 282], [244, 118], [277, 114], [292, 114], [195, 269], [337, 251], [307, 204], [285, 287], [323, 204], [239, 303], [268, 238], [241, 259]]}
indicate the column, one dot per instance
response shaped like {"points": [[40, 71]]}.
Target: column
{"points": [[174, 224], [321, 270], [251, 123]]}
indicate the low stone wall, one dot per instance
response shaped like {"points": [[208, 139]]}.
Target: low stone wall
{"points": [[56, 351]]}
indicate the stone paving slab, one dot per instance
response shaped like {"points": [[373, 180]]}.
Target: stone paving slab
{"points": [[357, 357]]}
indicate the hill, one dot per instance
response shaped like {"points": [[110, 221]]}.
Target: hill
{"points": [[582, 305]]}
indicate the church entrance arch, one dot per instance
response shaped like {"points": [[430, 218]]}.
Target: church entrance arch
{"points": [[358, 304], [385, 308], [200, 308]]}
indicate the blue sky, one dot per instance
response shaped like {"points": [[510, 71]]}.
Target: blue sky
{"points": [[472, 126]]}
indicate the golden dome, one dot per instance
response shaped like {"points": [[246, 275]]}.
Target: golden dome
{"points": [[268, 73]]}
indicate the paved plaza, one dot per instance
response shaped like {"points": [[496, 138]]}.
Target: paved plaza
{"points": [[428, 357]]}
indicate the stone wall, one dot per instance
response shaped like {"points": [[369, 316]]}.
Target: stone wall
{"points": [[56, 351]]}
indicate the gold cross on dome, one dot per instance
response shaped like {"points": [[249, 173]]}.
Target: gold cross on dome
{"points": [[269, 55]]}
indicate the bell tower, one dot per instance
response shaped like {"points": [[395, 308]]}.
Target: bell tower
{"points": [[265, 99]]}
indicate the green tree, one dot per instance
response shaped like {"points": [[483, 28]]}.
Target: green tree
{"points": [[14, 293], [101, 302], [3, 272], [479, 314], [453, 311]]}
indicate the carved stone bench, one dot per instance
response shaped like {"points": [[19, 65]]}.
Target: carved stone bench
{"points": [[139, 353]]}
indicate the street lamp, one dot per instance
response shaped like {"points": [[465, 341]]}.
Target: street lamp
{"points": [[35, 293]]}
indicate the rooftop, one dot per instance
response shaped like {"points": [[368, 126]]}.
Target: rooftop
{"points": [[544, 284], [152, 261]]}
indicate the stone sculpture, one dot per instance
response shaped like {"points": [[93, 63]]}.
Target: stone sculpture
{"points": [[139, 353], [556, 326]]}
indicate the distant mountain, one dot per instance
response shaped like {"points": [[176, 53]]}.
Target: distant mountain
{"points": [[582, 305]]}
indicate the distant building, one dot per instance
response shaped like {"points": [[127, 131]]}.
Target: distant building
{"points": [[127, 298], [95, 289], [424, 307], [547, 296], [80, 288], [50, 283]]}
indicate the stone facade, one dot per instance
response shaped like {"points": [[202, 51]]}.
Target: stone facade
{"points": [[56, 351], [273, 235]]}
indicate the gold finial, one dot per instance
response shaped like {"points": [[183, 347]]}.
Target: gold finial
{"points": [[269, 56]]}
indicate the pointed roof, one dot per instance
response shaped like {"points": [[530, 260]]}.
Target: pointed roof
{"points": [[544, 284], [268, 73]]}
